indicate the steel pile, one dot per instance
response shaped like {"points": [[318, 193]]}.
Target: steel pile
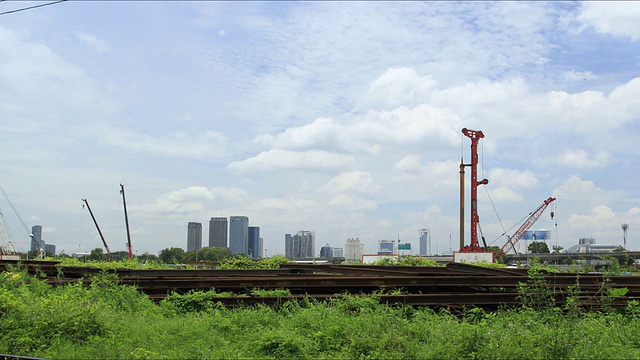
{"points": [[454, 286]]}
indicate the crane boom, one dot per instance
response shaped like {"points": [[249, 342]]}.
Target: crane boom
{"points": [[533, 217], [126, 221], [15, 211], [104, 242]]}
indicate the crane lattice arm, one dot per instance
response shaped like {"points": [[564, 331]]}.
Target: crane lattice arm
{"points": [[533, 217]]}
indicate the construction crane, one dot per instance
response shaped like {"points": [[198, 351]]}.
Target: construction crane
{"points": [[126, 221], [40, 251], [475, 136], [6, 244], [104, 242], [533, 217]]}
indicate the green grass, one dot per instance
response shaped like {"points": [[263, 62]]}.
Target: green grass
{"points": [[110, 321]]}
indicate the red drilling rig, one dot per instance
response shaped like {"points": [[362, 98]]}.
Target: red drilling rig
{"points": [[475, 136], [474, 246]]}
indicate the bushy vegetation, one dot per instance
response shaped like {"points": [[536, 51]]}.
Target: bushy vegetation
{"points": [[107, 320]]}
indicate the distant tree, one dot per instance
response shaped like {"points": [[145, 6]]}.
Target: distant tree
{"points": [[499, 254], [97, 254], [538, 247], [556, 248], [120, 255], [147, 257], [213, 253], [494, 249], [172, 255]]}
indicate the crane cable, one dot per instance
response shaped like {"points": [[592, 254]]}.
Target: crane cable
{"points": [[487, 191], [15, 210], [32, 7]]}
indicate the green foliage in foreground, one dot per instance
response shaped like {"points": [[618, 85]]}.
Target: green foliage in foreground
{"points": [[106, 320]]}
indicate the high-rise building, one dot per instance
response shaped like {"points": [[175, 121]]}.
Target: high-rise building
{"points": [[36, 239], [218, 232], [425, 242], [300, 245], [194, 236], [353, 250], [255, 242], [239, 235], [307, 243], [326, 251], [50, 249], [288, 246]]}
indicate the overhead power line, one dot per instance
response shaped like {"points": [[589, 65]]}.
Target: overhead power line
{"points": [[31, 7]]}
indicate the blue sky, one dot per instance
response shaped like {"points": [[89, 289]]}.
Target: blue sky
{"points": [[340, 117]]}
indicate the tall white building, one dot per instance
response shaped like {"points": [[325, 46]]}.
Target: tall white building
{"points": [[353, 250], [425, 242]]}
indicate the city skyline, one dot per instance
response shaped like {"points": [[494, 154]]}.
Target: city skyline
{"points": [[342, 117]]}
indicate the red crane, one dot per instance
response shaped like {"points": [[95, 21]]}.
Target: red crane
{"points": [[475, 136], [533, 217]]}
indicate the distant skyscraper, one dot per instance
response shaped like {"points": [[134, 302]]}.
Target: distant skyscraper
{"points": [[194, 236], [307, 243], [326, 251], [36, 239], [288, 246], [218, 232], [300, 245], [255, 242], [353, 250], [239, 235], [425, 242], [50, 249]]}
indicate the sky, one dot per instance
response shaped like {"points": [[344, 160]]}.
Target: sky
{"points": [[342, 118]]}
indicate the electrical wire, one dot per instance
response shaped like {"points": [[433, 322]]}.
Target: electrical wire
{"points": [[31, 7]]}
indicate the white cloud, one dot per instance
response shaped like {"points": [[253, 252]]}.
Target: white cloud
{"points": [[579, 158], [320, 132], [285, 204], [205, 145], [97, 44], [504, 194], [618, 18], [356, 181], [400, 86], [579, 75], [512, 178], [351, 203], [408, 164], [203, 193], [277, 159], [599, 218], [193, 201]]}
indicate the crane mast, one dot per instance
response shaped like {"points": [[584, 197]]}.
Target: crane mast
{"points": [[533, 217], [126, 221], [104, 242], [475, 136]]}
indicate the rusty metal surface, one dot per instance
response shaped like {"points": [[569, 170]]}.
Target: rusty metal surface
{"points": [[457, 285]]}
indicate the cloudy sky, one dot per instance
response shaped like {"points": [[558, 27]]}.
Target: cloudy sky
{"points": [[341, 118]]}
